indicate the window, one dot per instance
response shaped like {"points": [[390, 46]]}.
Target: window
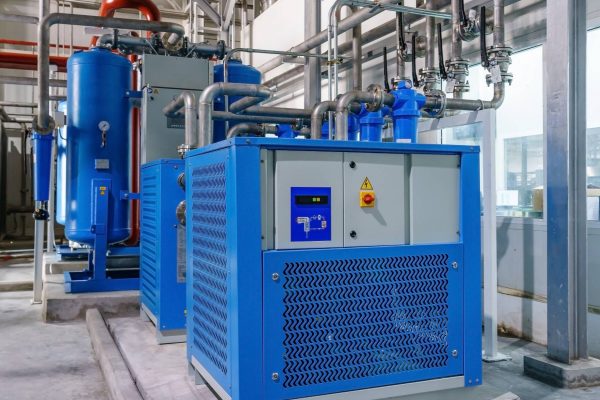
{"points": [[519, 130], [593, 126]]}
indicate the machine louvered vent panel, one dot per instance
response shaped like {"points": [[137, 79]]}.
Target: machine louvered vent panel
{"points": [[360, 318], [210, 263], [149, 237]]}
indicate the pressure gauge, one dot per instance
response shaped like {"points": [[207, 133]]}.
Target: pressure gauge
{"points": [[104, 126]]}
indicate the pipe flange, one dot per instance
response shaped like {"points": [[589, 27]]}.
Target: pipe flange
{"points": [[506, 77], [437, 112], [39, 129], [377, 92]]}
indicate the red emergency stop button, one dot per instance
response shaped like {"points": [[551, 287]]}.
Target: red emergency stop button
{"points": [[367, 198]]}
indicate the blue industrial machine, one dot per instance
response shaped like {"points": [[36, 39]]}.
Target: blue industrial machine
{"points": [[162, 249], [236, 73], [327, 267], [97, 168]]}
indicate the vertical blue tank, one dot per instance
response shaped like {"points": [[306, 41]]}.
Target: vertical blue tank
{"points": [[97, 100], [237, 73], [61, 169]]}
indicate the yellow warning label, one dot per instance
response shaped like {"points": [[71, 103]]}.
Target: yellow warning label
{"points": [[366, 185]]}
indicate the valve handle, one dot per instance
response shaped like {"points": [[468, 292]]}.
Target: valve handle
{"points": [[443, 72], [416, 82], [482, 44], [386, 82]]}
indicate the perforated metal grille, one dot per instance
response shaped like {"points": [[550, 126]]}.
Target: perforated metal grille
{"points": [[350, 319], [209, 263], [149, 238]]}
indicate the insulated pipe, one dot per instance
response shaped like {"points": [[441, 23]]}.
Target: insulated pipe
{"points": [[205, 104], [146, 7], [44, 123], [246, 102], [227, 116], [373, 98], [187, 100]]}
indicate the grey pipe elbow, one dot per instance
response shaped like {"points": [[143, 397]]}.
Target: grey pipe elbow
{"points": [[316, 118]]}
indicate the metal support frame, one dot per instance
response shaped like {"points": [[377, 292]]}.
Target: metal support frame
{"points": [[486, 119], [95, 278], [564, 81]]}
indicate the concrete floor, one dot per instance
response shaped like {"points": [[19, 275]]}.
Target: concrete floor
{"points": [[38, 360], [56, 361]]}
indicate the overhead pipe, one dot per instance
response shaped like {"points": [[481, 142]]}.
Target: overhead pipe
{"points": [[44, 123], [146, 7], [187, 100], [23, 80], [206, 103], [321, 37], [299, 113], [23, 19], [28, 61]]}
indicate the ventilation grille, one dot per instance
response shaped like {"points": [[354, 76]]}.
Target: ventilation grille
{"points": [[352, 319], [149, 239], [209, 250]]}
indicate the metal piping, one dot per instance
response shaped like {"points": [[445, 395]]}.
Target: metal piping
{"points": [[499, 23], [438, 102], [320, 38], [44, 123], [24, 19], [375, 98], [357, 70], [319, 111], [226, 116], [205, 104], [279, 112], [430, 35], [456, 48], [186, 99], [246, 102], [312, 66], [255, 129]]}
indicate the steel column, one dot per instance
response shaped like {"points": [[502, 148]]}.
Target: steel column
{"points": [[564, 81]]}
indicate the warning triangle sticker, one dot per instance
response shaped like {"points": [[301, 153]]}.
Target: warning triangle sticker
{"points": [[366, 185]]}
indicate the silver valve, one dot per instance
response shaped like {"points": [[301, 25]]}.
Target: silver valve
{"points": [[104, 126]]}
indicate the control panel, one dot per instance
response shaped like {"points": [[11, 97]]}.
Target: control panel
{"points": [[310, 214]]}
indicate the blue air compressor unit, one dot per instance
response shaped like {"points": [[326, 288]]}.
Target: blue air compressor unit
{"points": [[330, 268], [162, 249]]}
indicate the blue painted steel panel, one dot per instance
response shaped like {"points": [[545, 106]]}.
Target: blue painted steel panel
{"points": [[97, 83], [238, 319], [161, 288], [347, 319]]}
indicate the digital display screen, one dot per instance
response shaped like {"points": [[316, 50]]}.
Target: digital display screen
{"points": [[307, 200]]}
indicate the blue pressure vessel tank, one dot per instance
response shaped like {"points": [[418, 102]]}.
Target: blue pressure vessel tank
{"points": [[98, 143], [61, 169], [237, 73]]}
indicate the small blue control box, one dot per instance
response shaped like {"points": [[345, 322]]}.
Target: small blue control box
{"points": [[311, 214]]}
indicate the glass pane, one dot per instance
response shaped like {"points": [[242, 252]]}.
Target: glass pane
{"points": [[593, 125]]}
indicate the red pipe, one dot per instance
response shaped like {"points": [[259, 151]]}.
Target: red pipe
{"points": [[28, 61], [151, 13], [146, 7], [34, 44]]}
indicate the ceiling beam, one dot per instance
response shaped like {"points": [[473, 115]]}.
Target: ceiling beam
{"points": [[209, 11]]}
